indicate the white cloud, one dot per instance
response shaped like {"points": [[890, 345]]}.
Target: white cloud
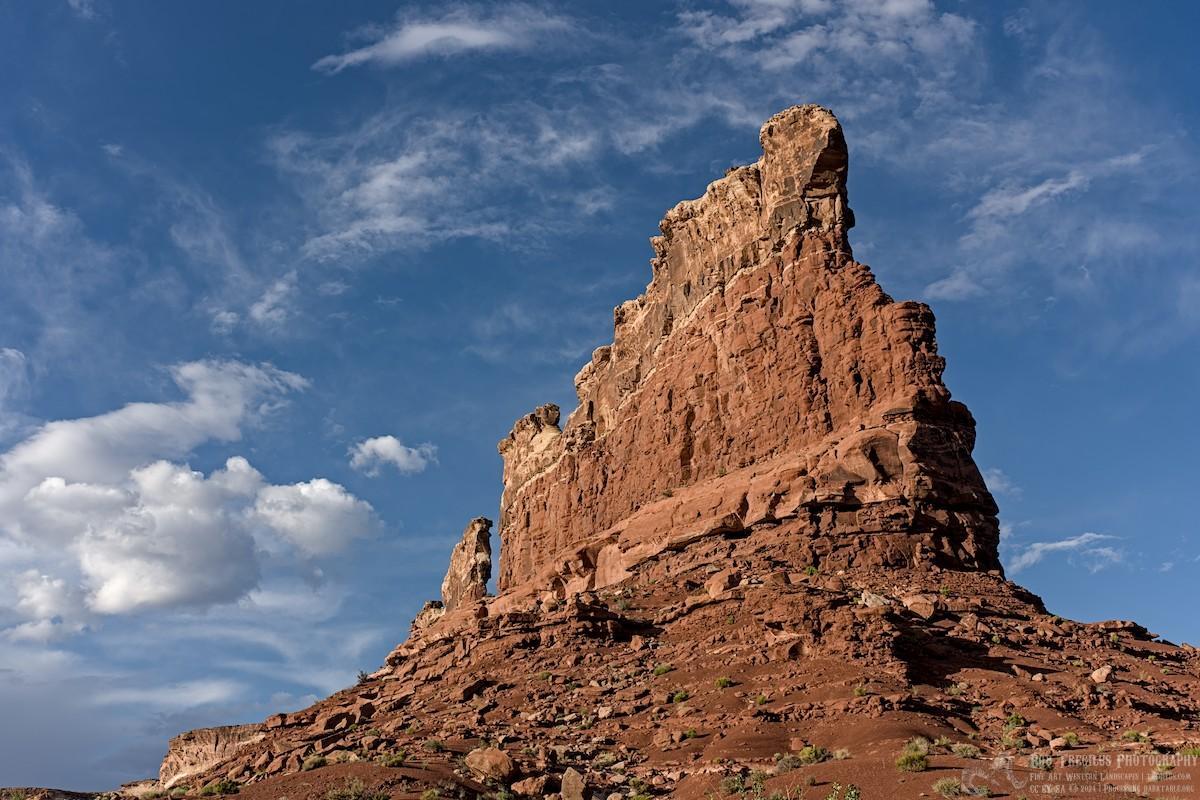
{"points": [[370, 455], [187, 694], [276, 305], [96, 521], [319, 517], [1086, 545], [224, 321], [460, 30], [998, 482], [85, 9]]}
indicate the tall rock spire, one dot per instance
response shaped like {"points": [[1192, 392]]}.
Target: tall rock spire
{"points": [[763, 377]]}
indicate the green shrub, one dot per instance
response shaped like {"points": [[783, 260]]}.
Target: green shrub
{"points": [[1014, 721], [912, 762], [1190, 750], [354, 789], [861, 691], [915, 756], [812, 754], [841, 754], [1071, 738], [1134, 736], [224, 786], [396, 759], [679, 696], [430, 794], [662, 669], [724, 683], [313, 762], [433, 745], [964, 750], [948, 787]]}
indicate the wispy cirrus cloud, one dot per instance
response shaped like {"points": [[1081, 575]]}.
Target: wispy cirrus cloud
{"points": [[1091, 548], [456, 30]]}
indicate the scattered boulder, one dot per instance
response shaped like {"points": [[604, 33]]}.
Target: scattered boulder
{"points": [[490, 763]]}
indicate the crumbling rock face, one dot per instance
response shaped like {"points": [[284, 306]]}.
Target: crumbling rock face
{"points": [[194, 752], [758, 342], [470, 566]]}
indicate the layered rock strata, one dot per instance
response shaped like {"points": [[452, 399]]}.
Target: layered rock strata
{"points": [[764, 363]]}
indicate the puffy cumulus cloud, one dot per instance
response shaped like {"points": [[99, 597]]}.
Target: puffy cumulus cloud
{"points": [[222, 397], [455, 31], [371, 455], [319, 517], [96, 519]]}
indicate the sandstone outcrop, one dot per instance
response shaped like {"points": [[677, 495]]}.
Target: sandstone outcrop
{"points": [[193, 752], [762, 366], [470, 566], [757, 557]]}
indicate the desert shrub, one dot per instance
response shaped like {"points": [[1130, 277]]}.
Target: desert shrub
{"points": [[1071, 737], [606, 759], [224, 786], [915, 756], [679, 696], [433, 745], [861, 691], [363, 676], [941, 741], [430, 794], [1134, 736], [912, 762], [1014, 721], [1190, 750], [786, 762], [841, 754], [355, 789], [948, 787], [313, 762], [723, 682], [761, 700], [396, 759], [812, 754], [964, 750], [662, 669]]}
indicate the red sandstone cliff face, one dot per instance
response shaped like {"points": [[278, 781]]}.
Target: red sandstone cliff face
{"points": [[759, 342]]}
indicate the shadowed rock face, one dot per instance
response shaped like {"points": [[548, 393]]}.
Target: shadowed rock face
{"points": [[760, 348]]}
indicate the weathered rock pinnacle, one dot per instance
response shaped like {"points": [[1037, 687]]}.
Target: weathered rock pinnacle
{"points": [[763, 376]]}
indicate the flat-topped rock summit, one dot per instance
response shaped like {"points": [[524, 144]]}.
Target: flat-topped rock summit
{"points": [[756, 560]]}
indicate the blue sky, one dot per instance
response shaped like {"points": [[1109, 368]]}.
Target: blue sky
{"points": [[276, 277]]}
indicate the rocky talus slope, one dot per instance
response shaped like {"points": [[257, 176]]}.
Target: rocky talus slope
{"points": [[757, 559]]}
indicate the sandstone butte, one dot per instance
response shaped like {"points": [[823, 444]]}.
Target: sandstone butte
{"points": [[756, 560]]}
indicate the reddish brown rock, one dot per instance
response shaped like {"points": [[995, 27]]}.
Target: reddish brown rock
{"points": [[490, 763], [759, 341]]}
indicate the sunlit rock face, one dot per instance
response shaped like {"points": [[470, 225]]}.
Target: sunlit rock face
{"points": [[763, 376]]}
